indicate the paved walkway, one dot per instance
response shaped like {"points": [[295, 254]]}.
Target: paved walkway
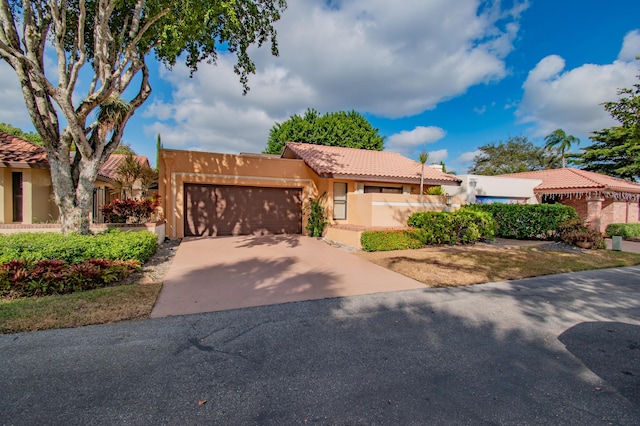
{"points": [[215, 274], [628, 246]]}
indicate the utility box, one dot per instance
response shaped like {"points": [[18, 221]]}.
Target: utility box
{"points": [[616, 243]]}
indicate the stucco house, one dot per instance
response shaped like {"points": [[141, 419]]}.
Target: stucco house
{"points": [[26, 191], [212, 194]]}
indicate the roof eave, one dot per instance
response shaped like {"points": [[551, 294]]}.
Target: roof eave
{"points": [[23, 165]]}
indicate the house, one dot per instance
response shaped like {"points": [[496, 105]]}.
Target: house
{"points": [[598, 199], [480, 189], [26, 191], [211, 194]]}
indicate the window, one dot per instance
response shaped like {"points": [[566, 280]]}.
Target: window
{"points": [[382, 190], [16, 184], [340, 200]]}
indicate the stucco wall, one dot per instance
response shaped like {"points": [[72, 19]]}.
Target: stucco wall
{"points": [[492, 186], [179, 167]]}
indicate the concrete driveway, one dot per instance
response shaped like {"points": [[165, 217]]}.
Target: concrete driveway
{"points": [[215, 274]]}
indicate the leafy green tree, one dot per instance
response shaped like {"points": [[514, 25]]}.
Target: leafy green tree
{"points": [[616, 150], [108, 42], [560, 141], [346, 129], [516, 155], [28, 136]]}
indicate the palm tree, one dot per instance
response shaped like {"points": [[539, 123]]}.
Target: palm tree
{"points": [[423, 159], [561, 141]]}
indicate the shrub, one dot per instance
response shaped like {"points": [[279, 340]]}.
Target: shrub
{"points": [[435, 190], [130, 210], [317, 217], [391, 240], [19, 278], [75, 248], [625, 230], [574, 230], [459, 227], [527, 221]]}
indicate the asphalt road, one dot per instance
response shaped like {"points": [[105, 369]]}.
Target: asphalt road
{"points": [[563, 349]]}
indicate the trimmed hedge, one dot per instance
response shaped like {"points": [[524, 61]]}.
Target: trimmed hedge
{"points": [[44, 277], [625, 230], [459, 227], [391, 240], [75, 248], [527, 221]]}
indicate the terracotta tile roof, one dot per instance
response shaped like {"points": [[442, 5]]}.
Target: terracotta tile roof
{"points": [[17, 152], [568, 180], [110, 167], [382, 166]]}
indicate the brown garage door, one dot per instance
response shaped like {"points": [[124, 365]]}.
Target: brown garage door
{"points": [[212, 210]]}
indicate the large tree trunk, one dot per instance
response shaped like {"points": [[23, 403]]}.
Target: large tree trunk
{"points": [[73, 191]]}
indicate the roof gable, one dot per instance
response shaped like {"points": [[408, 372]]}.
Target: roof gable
{"points": [[19, 153], [568, 180], [109, 169], [351, 163]]}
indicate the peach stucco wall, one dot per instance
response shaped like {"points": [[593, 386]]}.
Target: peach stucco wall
{"points": [[392, 210], [179, 167], [38, 205]]}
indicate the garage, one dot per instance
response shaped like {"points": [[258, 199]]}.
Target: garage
{"points": [[218, 210]]}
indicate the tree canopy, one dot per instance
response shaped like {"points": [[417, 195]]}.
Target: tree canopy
{"points": [[616, 150], [516, 154], [32, 137], [346, 129], [110, 40]]}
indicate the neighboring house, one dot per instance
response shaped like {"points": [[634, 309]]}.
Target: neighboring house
{"points": [[480, 189], [211, 194], [598, 199], [26, 191]]}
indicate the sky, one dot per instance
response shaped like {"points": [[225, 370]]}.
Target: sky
{"points": [[441, 76]]}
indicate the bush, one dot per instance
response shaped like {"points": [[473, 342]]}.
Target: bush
{"points": [[459, 227], [130, 210], [75, 248], [574, 230], [625, 230], [527, 221], [391, 240], [19, 278]]}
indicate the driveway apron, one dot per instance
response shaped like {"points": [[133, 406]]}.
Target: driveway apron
{"points": [[215, 274]]}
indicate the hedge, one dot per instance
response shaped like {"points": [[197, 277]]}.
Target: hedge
{"points": [[391, 240], [527, 221], [75, 248], [459, 227], [625, 230]]}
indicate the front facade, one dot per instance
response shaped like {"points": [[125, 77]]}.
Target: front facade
{"points": [[209, 194]]}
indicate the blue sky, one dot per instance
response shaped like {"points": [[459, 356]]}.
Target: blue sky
{"points": [[445, 76]]}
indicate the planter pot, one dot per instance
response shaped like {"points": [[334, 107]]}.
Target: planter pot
{"points": [[584, 244]]}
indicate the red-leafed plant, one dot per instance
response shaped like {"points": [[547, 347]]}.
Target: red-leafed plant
{"points": [[130, 210]]}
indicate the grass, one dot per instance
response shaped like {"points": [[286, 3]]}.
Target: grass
{"points": [[466, 265], [100, 306]]}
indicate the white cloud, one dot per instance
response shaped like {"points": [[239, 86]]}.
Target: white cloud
{"points": [[435, 157], [12, 109], [467, 157], [387, 59], [571, 100], [630, 46], [412, 138]]}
